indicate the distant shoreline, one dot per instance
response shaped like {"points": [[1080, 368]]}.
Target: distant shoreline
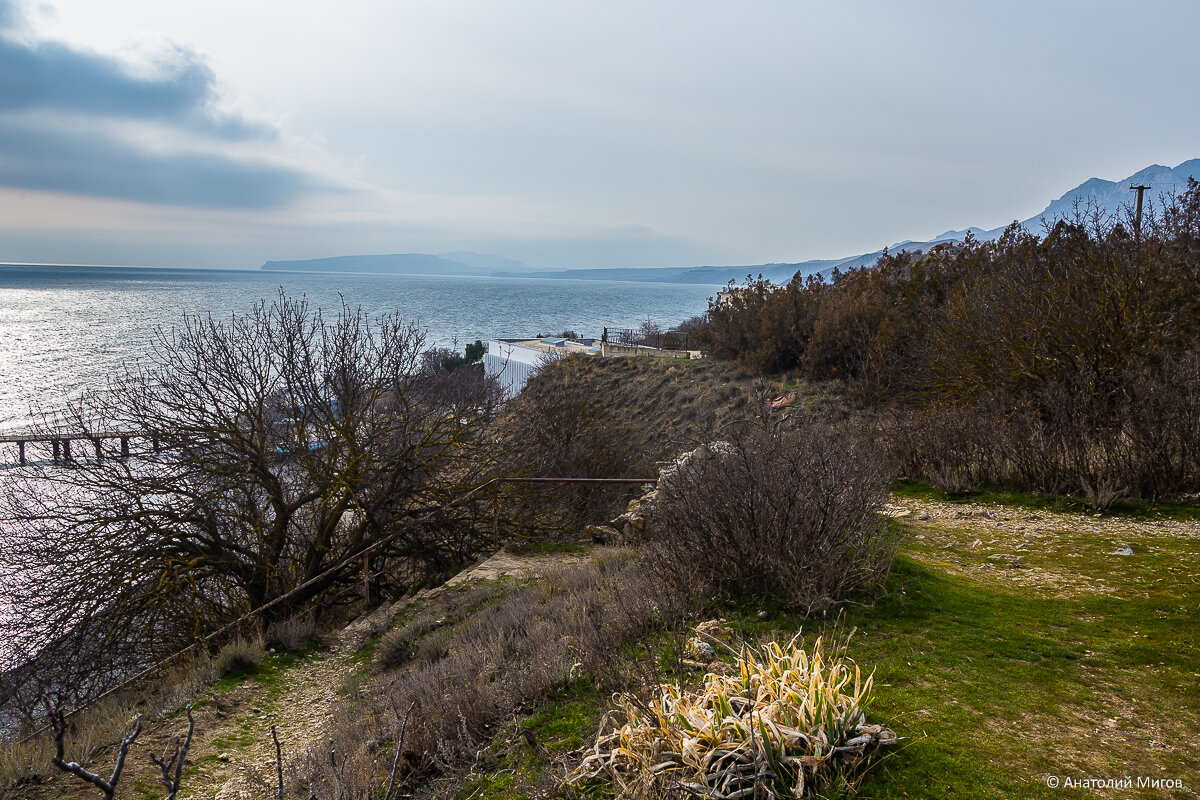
{"points": [[40, 265], [554, 275]]}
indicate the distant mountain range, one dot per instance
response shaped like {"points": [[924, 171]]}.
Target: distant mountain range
{"points": [[1108, 196], [478, 264], [402, 264]]}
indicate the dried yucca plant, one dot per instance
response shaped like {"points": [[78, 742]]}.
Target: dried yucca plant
{"points": [[788, 722]]}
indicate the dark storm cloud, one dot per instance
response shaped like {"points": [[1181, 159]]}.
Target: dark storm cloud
{"points": [[63, 113], [52, 75], [79, 162]]}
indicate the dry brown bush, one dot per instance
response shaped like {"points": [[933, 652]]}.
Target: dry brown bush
{"points": [[606, 418], [787, 514], [1061, 363]]}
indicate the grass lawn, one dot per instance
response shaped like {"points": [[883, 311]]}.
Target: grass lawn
{"points": [[1014, 649], [1071, 663]]}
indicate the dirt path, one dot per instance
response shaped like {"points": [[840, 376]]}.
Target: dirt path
{"points": [[1039, 549], [302, 708], [244, 762]]}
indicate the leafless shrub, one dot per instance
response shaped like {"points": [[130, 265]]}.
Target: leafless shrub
{"points": [[397, 646], [649, 333], [91, 733], [783, 514], [293, 632], [1142, 442], [174, 754], [108, 786], [560, 427], [1101, 494]]}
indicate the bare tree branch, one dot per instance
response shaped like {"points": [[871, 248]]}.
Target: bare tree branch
{"points": [[178, 753], [59, 726]]}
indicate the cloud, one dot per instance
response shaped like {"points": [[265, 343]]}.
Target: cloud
{"points": [[81, 122], [79, 162]]}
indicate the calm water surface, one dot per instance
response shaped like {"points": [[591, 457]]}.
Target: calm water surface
{"points": [[63, 330]]}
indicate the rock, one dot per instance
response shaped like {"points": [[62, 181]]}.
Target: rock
{"points": [[923, 516], [1123, 551], [764, 616], [373, 623], [713, 629], [699, 650], [602, 534], [223, 757], [630, 527]]}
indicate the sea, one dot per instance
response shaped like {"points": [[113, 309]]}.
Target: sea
{"points": [[65, 329]]}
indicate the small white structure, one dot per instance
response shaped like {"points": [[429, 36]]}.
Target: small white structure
{"points": [[514, 361]]}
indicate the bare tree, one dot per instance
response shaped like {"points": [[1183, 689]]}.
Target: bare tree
{"points": [[649, 333], [267, 448]]}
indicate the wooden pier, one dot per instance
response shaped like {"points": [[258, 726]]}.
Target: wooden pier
{"points": [[60, 443]]}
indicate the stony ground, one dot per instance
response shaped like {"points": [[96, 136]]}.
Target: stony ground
{"points": [[1057, 552]]}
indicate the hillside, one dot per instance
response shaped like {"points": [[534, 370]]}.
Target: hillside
{"points": [[1107, 197], [1016, 640], [1014, 643]]}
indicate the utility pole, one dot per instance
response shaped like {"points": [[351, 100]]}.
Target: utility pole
{"points": [[1137, 214]]}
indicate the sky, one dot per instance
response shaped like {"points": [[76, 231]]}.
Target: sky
{"points": [[225, 133]]}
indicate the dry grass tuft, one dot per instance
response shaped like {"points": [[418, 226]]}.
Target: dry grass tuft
{"points": [[239, 654], [294, 632]]}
